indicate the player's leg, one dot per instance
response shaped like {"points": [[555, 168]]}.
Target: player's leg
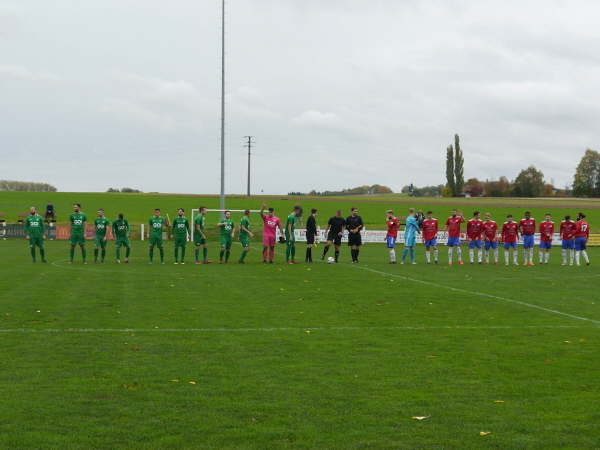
{"points": [[271, 253], [83, 251], [205, 254], [471, 251], [326, 248], [96, 250], [150, 251], [479, 252], [584, 252], [32, 248], [127, 250], [506, 253], [459, 252], [118, 245], [391, 243], [571, 251], [227, 250], [435, 253], [183, 246], [412, 253], [337, 244], [42, 249], [196, 252], [516, 254], [72, 252]]}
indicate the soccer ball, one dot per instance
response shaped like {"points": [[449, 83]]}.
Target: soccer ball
{"points": [[330, 260]]}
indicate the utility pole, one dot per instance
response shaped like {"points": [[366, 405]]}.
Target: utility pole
{"points": [[248, 145], [222, 199]]}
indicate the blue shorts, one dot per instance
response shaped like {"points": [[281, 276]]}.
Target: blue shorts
{"points": [[453, 242], [546, 245], [390, 241], [580, 243], [568, 244], [475, 243], [491, 244], [508, 245], [528, 241], [431, 243]]}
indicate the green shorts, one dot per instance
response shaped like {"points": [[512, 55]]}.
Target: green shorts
{"points": [[123, 242], [100, 242], [226, 243], [180, 241], [245, 241], [199, 240], [288, 239], [36, 242], [77, 239], [156, 241]]}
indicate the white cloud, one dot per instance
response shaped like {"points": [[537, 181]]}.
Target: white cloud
{"points": [[22, 73], [318, 119]]}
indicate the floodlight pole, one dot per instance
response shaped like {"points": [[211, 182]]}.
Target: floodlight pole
{"points": [[222, 199], [249, 142]]}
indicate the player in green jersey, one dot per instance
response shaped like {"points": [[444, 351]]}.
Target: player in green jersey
{"points": [[227, 231], [77, 220], [101, 224], [120, 229], [34, 232], [181, 229], [200, 236], [157, 225], [245, 235], [290, 238]]}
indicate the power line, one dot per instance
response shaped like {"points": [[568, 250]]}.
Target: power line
{"points": [[222, 199], [249, 141]]}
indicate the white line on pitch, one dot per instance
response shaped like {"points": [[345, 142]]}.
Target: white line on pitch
{"points": [[275, 329], [480, 294]]}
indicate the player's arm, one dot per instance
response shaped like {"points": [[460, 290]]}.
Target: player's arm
{"points": [[187, 226], [344, 225], [289, 228], [26, 228], [114, 228], [232, 231], [126, 228], [262, 210], [360, 226]]}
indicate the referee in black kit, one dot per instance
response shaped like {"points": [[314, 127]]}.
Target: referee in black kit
{"points": [[354, 224], [335, 230], [311, 232]]}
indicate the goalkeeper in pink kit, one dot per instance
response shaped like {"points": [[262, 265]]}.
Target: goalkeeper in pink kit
{"points": [[270, 225]]}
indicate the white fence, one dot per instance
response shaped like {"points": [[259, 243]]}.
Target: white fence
{"points": [[378, 236]]}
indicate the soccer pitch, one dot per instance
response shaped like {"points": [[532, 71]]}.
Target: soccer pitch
{"points": [[297, 356]]}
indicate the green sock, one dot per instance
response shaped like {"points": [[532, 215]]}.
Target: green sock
{"points": [[72, 253], [103, 254], [293, 251], [221, 255], [43, 254], [243, 256], [127, 252], [95, 254], [182, 253], [151, 253], [287, 252], [83, 253], [196, 254], [118, 254], [176, 254], [162, 254], [32, 249], [205, 254], [227, 253]]}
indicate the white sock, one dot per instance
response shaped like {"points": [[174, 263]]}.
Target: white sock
{"points": [[496, 255], [585, 256], [479, 255], [435, 254], [571, 256], [392, 255], [450, 251], [564, 256], [516, 257], [577, 257], [531, 255], [506, 257], [459, 253], [547, 256], [487, 256], [541, 255], [471, 255], [428, 255]]}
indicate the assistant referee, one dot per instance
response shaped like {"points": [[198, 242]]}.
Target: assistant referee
{"points": [[354, 224]]}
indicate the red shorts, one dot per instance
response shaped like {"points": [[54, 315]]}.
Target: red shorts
{"points": [[269, 241]]}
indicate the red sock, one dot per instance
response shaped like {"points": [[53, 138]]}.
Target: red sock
{"points": [[265, 254], [271, 253]]}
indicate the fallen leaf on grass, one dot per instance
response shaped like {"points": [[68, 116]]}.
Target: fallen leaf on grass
{"points": [[174, 381], [498, 401], [191, 382], [567, 342], [431, 356], [484, 433], [252, 419], [307, 331], [420, 417]]}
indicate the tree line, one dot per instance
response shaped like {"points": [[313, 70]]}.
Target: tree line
{"points": [[359, 190], [26, 186]]}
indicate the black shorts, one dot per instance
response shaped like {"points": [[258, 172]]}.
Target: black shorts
{"points": [[354, 239], [310, 238], [335, 238]]}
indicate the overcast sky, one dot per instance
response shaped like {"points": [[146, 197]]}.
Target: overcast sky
{"points": [[338, 93]]}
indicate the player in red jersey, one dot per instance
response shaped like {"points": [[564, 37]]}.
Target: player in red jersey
{"points": [[527, 229], [453, 229], [582, 234], [510, 237], [392, 234], [490, 233], [430, 231], [474, 232], [546, 236], [567, 234]]}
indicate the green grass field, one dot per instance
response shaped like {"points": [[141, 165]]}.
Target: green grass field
{"points": [[303, 356]]}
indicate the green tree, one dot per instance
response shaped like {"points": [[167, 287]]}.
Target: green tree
{"points": [[459, 162], [529, 183], [450, 180], [586, 182], [474, 187]]}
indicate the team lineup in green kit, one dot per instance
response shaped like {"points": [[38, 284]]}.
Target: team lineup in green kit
{"points": [[482, 235]]}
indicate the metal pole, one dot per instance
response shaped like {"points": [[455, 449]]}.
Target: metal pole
{"points": [[249, 145], [222, 200]]}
